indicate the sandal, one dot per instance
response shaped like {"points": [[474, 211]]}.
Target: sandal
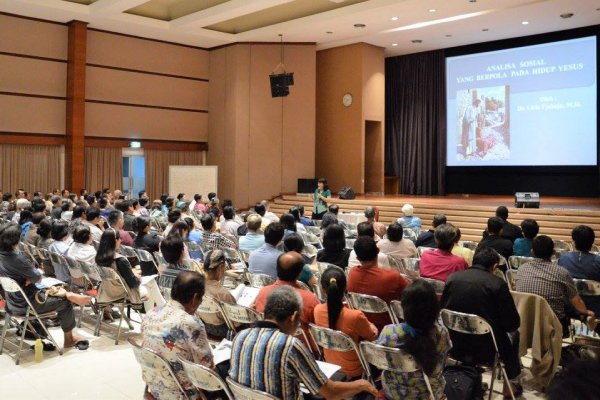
{"points": [[82, 345]]}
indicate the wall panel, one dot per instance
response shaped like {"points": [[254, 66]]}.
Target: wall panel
{"points": [[24, 36], [26, 75], [33, 115]]}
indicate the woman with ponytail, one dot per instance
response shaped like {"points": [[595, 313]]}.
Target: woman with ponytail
{"points": [[336, 315], [423, 337]]}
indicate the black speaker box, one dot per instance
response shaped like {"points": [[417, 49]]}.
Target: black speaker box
{"points": [[527, 200], [346, 193], [280, 84]]}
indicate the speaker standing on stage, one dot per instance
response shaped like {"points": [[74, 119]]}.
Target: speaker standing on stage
{"points": [[320, 197]]}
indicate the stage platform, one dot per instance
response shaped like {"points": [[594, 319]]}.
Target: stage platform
{"points": [[556, 216]]}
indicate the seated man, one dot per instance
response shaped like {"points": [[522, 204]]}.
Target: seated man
{"points": [[509, 231], [264, 259], [582, 264], [331, 217], [426, 239], [441, 263], [172, 249], [409, 220], [229, 225], [552, 282], [371, 213], [368, 278], [254, 238], [478, 291], [175, 330], [16, 266], [395, 246], [495, 240], [304, 220], [522, 246], [366, 229], [211, 239], [93, 222], [289, 361]]}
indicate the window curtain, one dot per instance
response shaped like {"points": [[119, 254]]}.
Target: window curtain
{"points": [[415, 127], [157, 168], [30, 167], [103, 168]]}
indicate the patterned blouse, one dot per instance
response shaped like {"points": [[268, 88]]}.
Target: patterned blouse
{"points": [[411, 386], [171, 332]]}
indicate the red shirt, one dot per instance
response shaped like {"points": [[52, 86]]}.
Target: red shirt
{"points": [[440, 264], [386, 284]]}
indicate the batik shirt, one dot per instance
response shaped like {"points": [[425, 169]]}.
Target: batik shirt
{"points": [[171, 332]]}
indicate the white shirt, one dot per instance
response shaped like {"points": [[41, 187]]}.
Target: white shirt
{"points": [[271, 216], [382, 260], [94, 230], [403, 249]]}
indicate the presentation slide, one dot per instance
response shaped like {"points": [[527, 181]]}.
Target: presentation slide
{"points": [[526, 106]]}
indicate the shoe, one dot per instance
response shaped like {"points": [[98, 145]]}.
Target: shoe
{"points": [[517, 390]]}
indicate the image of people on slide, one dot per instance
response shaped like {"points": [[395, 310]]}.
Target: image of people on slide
{"points": [[483, 120]]}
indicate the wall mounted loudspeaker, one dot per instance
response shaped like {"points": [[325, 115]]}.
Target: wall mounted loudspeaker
{"points": [[280, 84], [527, 200]]}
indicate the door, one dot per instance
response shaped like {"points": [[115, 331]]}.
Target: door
{"points": [[134, 172]]}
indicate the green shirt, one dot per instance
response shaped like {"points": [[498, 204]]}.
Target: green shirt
{"points": [[319, 205]]}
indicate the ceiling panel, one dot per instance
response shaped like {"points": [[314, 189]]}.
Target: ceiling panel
{"points": [[168, 10]]}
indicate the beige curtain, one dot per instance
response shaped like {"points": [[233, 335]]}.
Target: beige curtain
{"points": [[157, 168], [103, 168], [30, 167]]}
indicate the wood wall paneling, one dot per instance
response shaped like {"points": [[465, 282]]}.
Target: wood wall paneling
{"points": [[32, 114], [27, 75], [26, 36]]}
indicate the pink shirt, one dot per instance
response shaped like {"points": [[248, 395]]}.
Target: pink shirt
{"points": [[440, 264]]}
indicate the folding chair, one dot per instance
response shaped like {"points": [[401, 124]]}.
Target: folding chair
{"points": [[303, 286], [562, 246], [322, 266], [396, 311], [310, 250], [149, 360], [368, 304], [260, 280], [393, 360], [131, 254], [472, 324], [195, 251], [146, 257], [315, 230], [236, 314], [469, 244], [437, 285], [515, 262], [241, 392], [511, 279], [331, 339], [61, 268], [10, 286], [160, 259], [210, 306], [586, 287], [595, 249], [350, 243], [205, 378], [421, 250], [411, 267]]}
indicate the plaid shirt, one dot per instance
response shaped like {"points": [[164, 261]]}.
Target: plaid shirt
{"points": [[549, 281], [215, 240], [264, 358]]}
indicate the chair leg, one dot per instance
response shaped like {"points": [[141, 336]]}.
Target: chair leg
{"points": [[505, 376], [98, 321], [493, 377], [49, 336], [4, 330], [122, 312], [25, 324]]}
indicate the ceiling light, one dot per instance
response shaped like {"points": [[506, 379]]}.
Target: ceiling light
{"points": [[359, 25], [472, 1], [485, 30], [432, 10], [448, 35], [525, 23], [417, 41], [394, 44], [329, 32], [566, 15], [395, 18]]}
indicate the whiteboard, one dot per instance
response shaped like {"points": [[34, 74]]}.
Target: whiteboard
{"points": [[192, 179]]}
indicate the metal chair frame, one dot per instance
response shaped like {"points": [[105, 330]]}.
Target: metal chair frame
{"points": [[259, 280], [437, 285], [235, 313], [369, 304], [515, 262], [241, 392], [396, 311], [205, 378], [410, 267], [421, 250]]}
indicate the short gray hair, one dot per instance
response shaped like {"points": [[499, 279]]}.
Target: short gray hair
{"points": [[370, 212], [282, 302], [445, 235], [23, 203]]}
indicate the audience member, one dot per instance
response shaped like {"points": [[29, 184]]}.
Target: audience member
{"points": [[578, 380], [427, 239], [264, 259], [268, 214], [44, 231], [290, 362], [395, 246], [229, 226], [254, 238], [25, 222], [372, 215], [494, 239], [409, 220], [212, 239], [552, 282], [478, 291], [116, 221], [92, 221], [32, 236], [82, 248], [522, 246], [62, 240], [423, 337], [304, 220], [334, 249], [338, 316], [368, 278], [173, 215], [330, 217], [366, 229], [128, 210], [321, 197], [441, 263], [509, 231], [462, 251], [289, 224], [295, 243]]}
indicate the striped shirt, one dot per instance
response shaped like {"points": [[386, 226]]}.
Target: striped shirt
{"points": [[264, 358]]}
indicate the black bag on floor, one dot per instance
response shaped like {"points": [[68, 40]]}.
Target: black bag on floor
{"points": [[463, 382], [346, 193]]}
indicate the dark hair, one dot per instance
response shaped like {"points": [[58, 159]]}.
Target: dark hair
{"points": [[291, 273], [584, 238], [445, 236], [37, 217], [295, 213], [274, 233], [6, 196], [486, 257], [439, 219], [10, 234], [324, 182], [530, 228], [395, 232], [260, 209], [494, 225], [66, 204], [38, 204], [543, 247], [174, 215], [114, 216], [328, 219], [171, 248], [333, 282], [365, 249], [300, 208], [180, 196], [190, 223], [60, 229], [289, 222], [45, 228], [141, 223], [186, 285], [207, 221], [365, 228], [334, 238], [169, 201], [163, 197], [179, 228], [143, 201], [107, 247], [197, 197], [293, 242], [81, 234], [25, 216], [123, 205], [282, 303], [227, 203], [92, 213], [211, 195], [78, 211], [334, 208], [421, 309], [103, 202], [576, 381], [140, 193], [228, 212], [502, 212]]}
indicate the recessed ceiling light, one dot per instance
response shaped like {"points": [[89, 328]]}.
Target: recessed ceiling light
{"points": [[485, 30], [359, 25], [417, 41], [448, 35], [394, 44], [472, 1], [432, 10], [395, 18], [525, 23], [566, 15]]}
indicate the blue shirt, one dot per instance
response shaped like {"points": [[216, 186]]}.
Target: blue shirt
{"points": [[306, 221], [583, 266], [412, 222], [264, 260], [251, 241], [522, 247], [195, 236]]}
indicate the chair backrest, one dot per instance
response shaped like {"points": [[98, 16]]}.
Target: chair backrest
{"points": [[241, 392], [498, 272], [470, 324], [469, 244], [350, 243], [150, 360], [387, 358], [322, 266], [128, 252], [160, 259], [331, 339], [561, 245], [410, 266], [303, 286], [367, 303], [195, 251], [410, 234], [310, 250], [586, 287], [89, 271], [236, 313], [421, 250], [396, 311], [11, 286], [145, 256], [437, 285], [209, 305], [245, 256], [315, 230], [515, 262], [511, 278], [62, 269], [595, 249], [260, 280], [205, 378]]}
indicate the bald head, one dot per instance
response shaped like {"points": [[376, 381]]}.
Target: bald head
{"points": [[289, 266]]}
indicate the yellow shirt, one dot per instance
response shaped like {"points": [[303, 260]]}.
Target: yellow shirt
{"points": [[464, 252]]}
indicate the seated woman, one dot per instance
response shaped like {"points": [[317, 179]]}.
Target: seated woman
{"points": [[336, 315], [77, 217], [25, 222], [172, 249], [214, 268], [82, 248], [182, 230], [522, 246], [334, 247], [146, 240], [111, 290], [44, 231], [295, 243], [61, 239], [421, 336]]}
